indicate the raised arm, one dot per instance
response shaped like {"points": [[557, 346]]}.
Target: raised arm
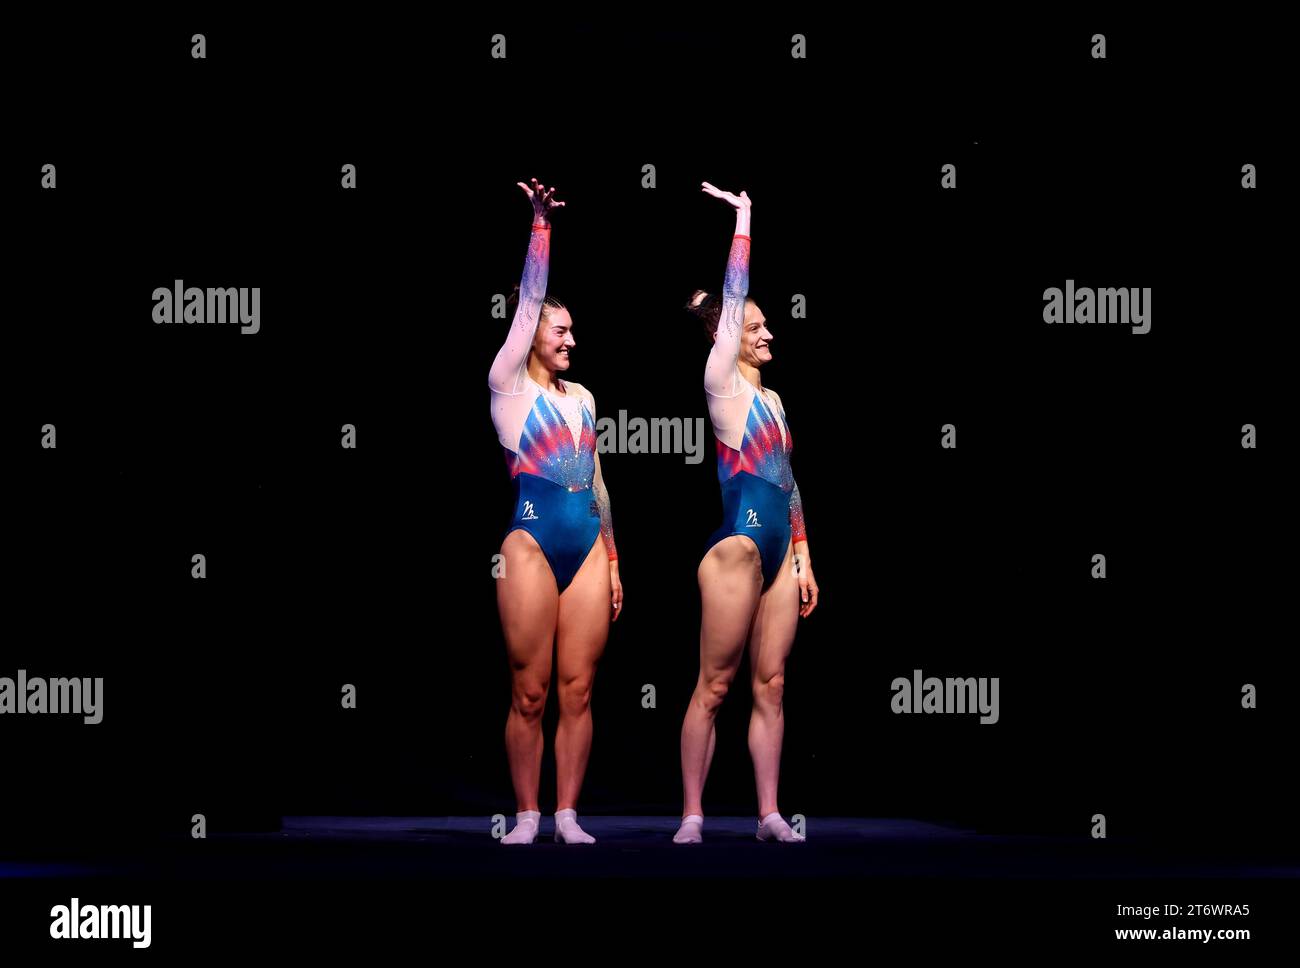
{"points": [[721, 376], [510, 359]]}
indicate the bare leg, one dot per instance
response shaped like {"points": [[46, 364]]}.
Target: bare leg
{"points": [[770, 642], [582, 630], [730, 583], [528, 602]]}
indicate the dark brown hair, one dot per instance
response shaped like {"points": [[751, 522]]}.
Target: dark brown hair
{"points": [[707, 307]]}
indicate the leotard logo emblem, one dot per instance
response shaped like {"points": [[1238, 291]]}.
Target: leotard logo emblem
{"points": [[528, 514], [751, 518]]}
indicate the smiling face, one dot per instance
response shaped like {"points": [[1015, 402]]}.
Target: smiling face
{"points": [[755, 337], [554, 340]]}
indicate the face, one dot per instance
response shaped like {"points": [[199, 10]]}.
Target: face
{"points": [[554, 340], [755, 337]]}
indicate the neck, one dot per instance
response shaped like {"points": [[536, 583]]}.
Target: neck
{"points": [[541, 374], [750, 373]]}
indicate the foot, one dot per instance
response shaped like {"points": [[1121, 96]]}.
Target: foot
{"points": [[526, 824], [772, 827], [691, 831], [567, 830]]}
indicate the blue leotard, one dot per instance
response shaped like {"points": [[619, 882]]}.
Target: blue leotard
{"points": [[760, 499], [549, 440]]}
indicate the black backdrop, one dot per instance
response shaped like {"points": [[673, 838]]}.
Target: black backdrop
{"points": [[372, 566]]}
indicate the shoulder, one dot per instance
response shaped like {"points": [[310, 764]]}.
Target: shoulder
{"points": [[580, 390]]}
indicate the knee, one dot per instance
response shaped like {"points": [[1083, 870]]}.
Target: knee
{"points": [[711, 692], [529, 702], [575, 696], [770, 691]]}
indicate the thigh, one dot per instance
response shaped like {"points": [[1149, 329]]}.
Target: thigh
{"points": [[583, 624], [731, 581], [775, 621], [528, 603]]}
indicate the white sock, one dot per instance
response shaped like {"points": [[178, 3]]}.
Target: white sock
{"points": [[772, 827], [567, 830], [691, 831], [526, 824]]}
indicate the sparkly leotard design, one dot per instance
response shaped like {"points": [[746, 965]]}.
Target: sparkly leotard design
{"points": [[549, 440], [760, 498]]}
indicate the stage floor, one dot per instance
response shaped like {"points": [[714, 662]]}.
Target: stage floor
{"points": [[641, 847]]}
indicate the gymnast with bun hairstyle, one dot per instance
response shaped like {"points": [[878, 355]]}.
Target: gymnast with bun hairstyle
{"points": [[756, 578]]}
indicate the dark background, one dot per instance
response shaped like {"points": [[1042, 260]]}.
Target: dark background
{"points": [[372, 566]]}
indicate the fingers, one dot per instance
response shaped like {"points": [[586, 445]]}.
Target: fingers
{"points": [[807, 610], [739, 201], [543, 198], [802, 581], [546, 196]]}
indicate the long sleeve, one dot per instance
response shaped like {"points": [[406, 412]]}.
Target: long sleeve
{"points": [[606, 520], [797, 531], [601, 497], [510, 359], [720, 372]]}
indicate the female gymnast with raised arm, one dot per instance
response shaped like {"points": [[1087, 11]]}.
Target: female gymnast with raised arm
{"points": [[560, 583], [756, 579]]}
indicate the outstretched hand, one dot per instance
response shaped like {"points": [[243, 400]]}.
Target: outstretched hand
{"points": [[735, 201], [543, 199]]}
